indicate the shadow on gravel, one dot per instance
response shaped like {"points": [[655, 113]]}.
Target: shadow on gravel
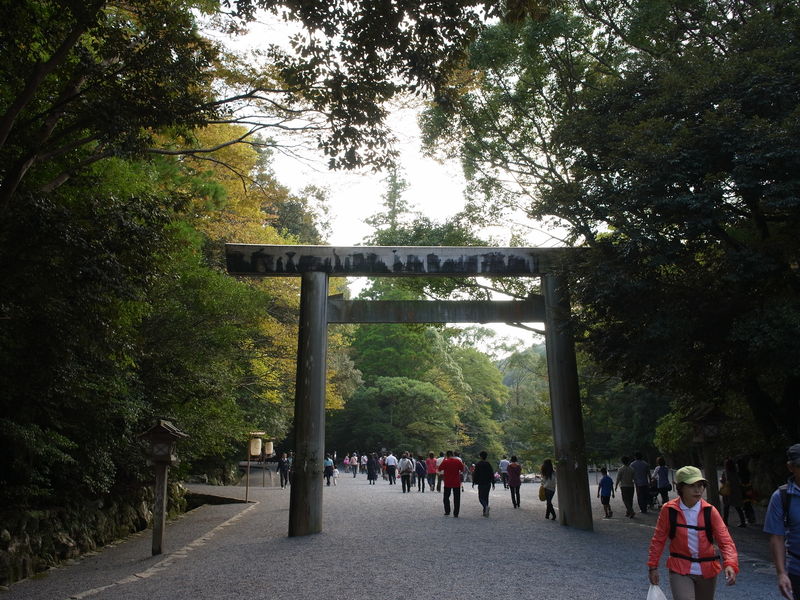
{"points": [[195, 500]]}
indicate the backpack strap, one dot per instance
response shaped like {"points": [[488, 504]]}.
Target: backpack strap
{"points": [[786, 499], [709, 527], [673, 522], [692, 559]]}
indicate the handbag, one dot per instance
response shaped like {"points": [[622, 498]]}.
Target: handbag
{"points": [[725, 490], [655, 593], [542, 493]]}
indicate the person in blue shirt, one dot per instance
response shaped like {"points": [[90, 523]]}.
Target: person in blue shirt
{"points": [[605, 490], [782, 522], [328, 468]]}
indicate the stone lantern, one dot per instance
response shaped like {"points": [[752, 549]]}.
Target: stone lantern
{"points": [[163, 437]]}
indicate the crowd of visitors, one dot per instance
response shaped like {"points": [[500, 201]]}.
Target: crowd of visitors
{"points": [[446, 473]]}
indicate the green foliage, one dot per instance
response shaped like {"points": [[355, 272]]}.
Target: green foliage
{"points": [[527, 421], [396, 413], [484, 404], [82, 82], [76, 276], [355, 56], [661, 136]]}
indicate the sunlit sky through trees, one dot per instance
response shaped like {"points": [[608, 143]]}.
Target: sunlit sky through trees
{"points": [[435, 188]]}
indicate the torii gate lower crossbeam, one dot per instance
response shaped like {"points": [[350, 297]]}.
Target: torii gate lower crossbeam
{"points": [[316, 263]]}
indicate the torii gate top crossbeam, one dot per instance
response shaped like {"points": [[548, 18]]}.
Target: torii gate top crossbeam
{"points": [[402, 261]]}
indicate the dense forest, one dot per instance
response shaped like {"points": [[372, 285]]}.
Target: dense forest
{"points": [[135, 142]]}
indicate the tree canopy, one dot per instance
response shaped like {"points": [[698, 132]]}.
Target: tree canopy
{"points": [[660, 135]]}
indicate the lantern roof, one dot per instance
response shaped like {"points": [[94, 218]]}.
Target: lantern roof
{"points": [[164, 428]]}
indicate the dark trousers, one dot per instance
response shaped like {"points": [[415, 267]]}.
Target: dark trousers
{"points": [[549, 510], [420, 484], [514, 495], [456, 500], [483, 494], [627, 499], [643, 497], [390, 471], [431, 481], [504, 477], [405, 480], [726, 509], [284, 478]]}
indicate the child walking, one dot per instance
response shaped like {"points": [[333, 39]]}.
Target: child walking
{"points": [[605, 491]]}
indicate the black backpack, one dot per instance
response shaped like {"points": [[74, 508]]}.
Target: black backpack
{"points": [[673, 523]]}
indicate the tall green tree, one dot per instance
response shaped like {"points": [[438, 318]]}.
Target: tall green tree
{"points": [[396, 413], [659, 134], [484, 405]]}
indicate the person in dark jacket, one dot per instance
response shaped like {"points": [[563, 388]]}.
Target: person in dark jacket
{"points": [[373, 468], [421, 471], [483, 477]]}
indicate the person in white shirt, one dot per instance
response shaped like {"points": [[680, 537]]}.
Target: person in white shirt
{"points": [[438, 473], [391, 468], [406, 468], [503, 465]]}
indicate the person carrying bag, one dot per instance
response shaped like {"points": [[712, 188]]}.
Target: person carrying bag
{"points": [[693, 527]]}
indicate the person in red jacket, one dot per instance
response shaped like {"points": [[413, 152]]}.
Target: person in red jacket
{"points": [[692, 527], [451, 468]]}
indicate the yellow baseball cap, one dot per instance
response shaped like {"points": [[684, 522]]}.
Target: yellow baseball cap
{"points": [[688, 475]]}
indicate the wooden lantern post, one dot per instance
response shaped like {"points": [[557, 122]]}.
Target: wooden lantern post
{"points": [[162, 437]]}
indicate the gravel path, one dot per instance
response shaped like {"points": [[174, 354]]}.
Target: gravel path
{"points": [[380, 543]]}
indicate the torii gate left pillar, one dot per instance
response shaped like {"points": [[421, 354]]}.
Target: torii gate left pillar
{"points": [[305, 502]]}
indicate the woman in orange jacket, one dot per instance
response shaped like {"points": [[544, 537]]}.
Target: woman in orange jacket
{"points": [[692, 527]]}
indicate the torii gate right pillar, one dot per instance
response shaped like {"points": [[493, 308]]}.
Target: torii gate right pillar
{"points": [[574, 501]]}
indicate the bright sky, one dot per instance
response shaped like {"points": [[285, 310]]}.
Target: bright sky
{"points": [[435, 189]]}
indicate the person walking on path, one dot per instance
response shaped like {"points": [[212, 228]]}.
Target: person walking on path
{"points": [[406, 468], [450, 471], [483, 477], [283, 470], [354, 463], [641, 478], [421, 471], [605, 490], [692, 526], [503, 466], [327, 466], [438, 472], [548, 474], [661, 475], [464, 470], [373, 467], [626, 486], [431, 467], [514, 480], [391, 468], [782, 523], [731, 493]]}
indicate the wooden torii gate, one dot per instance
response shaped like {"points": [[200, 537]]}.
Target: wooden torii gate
{"points": [[315, 264]]}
